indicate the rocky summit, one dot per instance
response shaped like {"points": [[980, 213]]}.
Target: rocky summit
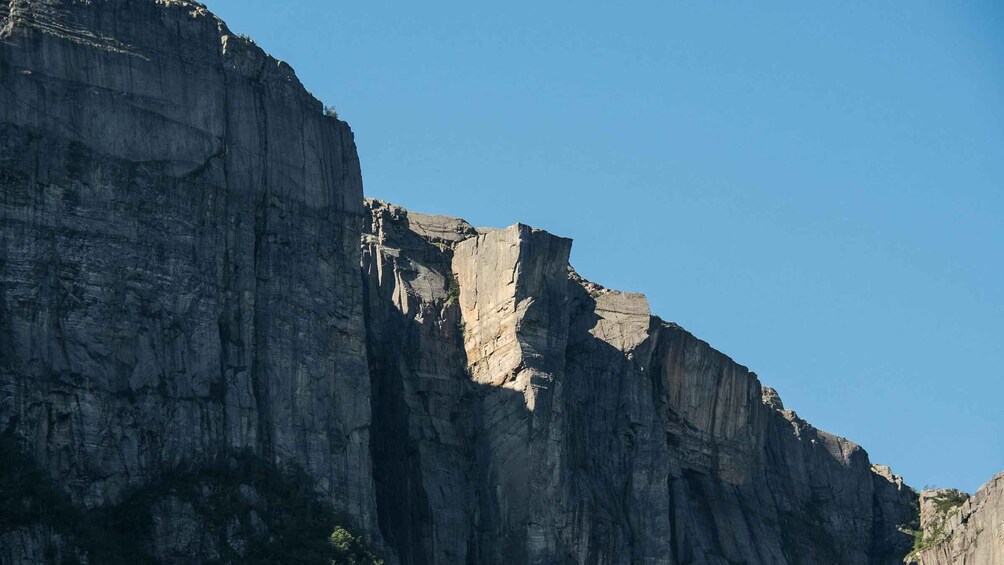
{"points": [[213, 349], [958, 529]]}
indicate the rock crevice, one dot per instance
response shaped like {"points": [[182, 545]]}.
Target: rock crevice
{"points": [[595, 432], [179, 279], [182, 289]]}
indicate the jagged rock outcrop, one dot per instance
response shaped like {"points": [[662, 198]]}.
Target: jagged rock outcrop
{"points": [[961, 530], [190, 355], [545, 419], [179, 230], [423, 417], [894, 516]]}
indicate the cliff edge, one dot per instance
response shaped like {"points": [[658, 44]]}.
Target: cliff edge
{"points": [[212, 349], [179, 279], [962, 530], [524, 414]]}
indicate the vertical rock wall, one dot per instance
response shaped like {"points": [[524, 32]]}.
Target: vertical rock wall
{"points": [[513, 302], [180, 288], [583, 429], [423, 400], [970, 533], [179, 231]]}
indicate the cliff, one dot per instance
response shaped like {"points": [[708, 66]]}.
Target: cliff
{"points": [[179, 249], [523, 414], [962, 530], [199, 363]]}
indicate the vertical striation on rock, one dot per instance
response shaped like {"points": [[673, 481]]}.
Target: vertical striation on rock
{"points": [[195, 353], [590, 431], [961, 530], [179, 231], [422, 398], [513, 294]]}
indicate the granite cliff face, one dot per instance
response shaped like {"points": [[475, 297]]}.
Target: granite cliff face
{"points": [[179, 249], [960, 530], [195, 353], [541, 418]]}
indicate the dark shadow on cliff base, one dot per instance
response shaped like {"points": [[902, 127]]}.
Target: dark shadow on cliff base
{"points": [[247, 510]]}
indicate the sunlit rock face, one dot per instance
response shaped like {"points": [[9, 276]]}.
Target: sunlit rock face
{"points": [[551, 420], [191, 285], [963, 531]]}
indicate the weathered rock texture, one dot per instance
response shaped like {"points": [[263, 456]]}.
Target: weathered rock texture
{"points": [[179, 231], [180, 294], [540, 418], [969, 533]]}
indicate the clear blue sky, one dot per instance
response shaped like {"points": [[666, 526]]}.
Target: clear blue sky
{"points": [[818, 191]]}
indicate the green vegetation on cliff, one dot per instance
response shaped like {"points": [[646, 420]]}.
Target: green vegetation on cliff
{"points": [[932, 532]]}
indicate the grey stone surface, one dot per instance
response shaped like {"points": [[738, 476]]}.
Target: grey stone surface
{"points": [[971, 534], [179, 229], [180, 285], [423, 400], [894, 514], [578, 428]]}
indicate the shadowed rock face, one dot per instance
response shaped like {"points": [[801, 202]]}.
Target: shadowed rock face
{"points": [[180, 288], [179, 229], [546, 419]]}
